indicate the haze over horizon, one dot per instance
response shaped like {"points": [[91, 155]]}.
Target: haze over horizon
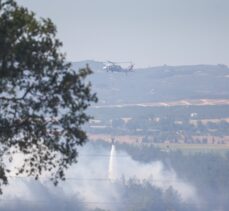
{"points": [[148, 32], [146, 129]]}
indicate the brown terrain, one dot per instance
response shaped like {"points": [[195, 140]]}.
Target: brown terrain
{"points": [[221, 142]]}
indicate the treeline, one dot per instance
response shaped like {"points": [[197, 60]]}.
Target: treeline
{"points": [[138, 196], [207, 172], [159, 130]]}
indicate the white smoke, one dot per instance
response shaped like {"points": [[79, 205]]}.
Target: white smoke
{"points": [[157, 175], [89, 183], [122, 165]]}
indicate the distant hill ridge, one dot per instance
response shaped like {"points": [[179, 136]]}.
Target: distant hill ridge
{"points": [[97, 65], [161, 83]]}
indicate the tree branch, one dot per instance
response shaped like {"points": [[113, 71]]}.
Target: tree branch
{"points": [[17, 99]]}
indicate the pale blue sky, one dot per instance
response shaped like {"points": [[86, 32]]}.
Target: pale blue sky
{"points": [[147, 32]]}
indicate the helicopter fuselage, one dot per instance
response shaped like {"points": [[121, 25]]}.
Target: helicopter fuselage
{"points": [[112, 67]]}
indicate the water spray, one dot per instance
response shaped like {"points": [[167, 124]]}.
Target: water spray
{"points": [[112, 171]]}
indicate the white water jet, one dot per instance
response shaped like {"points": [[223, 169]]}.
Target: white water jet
{"points": [[112, 171]]}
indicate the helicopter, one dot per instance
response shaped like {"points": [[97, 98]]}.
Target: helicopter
{"points": [[116, 67]]}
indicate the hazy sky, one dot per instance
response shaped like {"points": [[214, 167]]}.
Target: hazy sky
{"points": [[147, 32]]}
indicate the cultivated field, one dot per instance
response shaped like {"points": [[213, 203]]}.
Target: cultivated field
{"points": [[188, 102]]}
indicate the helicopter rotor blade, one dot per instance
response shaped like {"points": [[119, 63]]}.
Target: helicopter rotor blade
{"points": [[111, 62], [125, 62]]}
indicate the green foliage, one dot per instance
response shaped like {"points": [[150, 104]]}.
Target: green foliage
{"points": [[207, 172], [136, 196], [42, 100]]}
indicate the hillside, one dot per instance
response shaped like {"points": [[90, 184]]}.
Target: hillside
{"points": [[159, 84]]}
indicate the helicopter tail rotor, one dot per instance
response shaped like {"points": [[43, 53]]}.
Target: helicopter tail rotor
{"points": [[131, 67]]}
